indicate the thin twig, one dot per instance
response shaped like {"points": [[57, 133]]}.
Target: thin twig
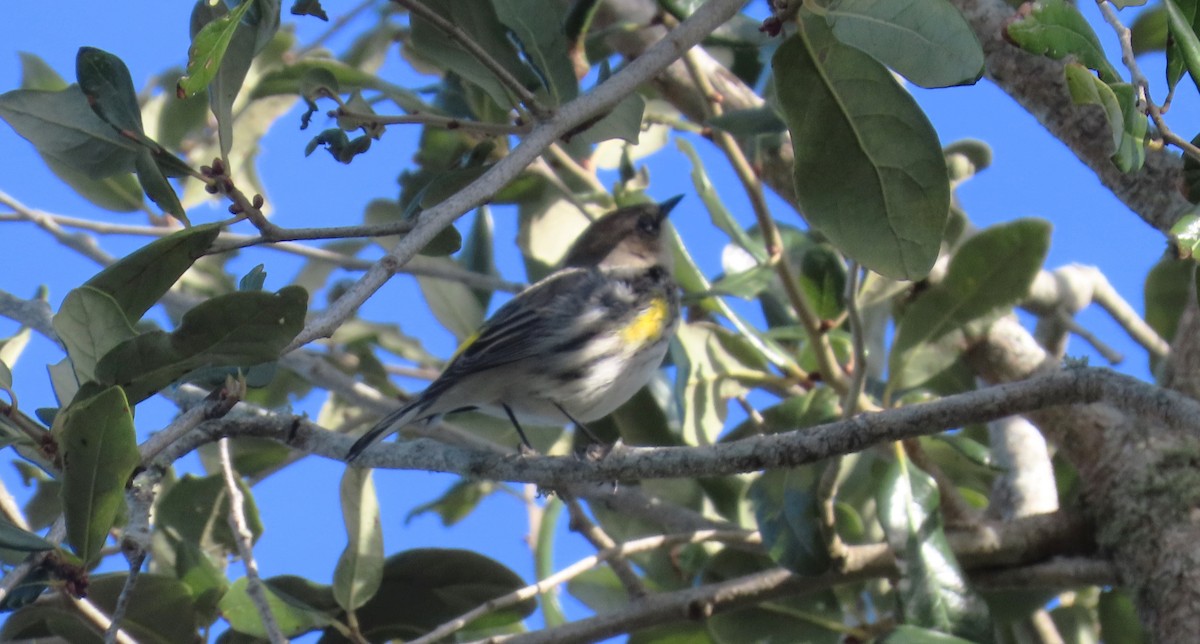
{"points": [[479, 53], [1125, 36], [88, 611], [113, 633], [243, 537], [581, 523], [574, 570]]}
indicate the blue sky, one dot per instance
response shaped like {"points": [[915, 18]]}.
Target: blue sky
{"points": [[1032, 176]]}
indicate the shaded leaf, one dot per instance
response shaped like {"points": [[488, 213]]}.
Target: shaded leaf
{"points": [[195, 510], [1128, 124], [106, 83], [1056, 29], [1183, 51], [869, 171], [154, 183], [456, 503], [787, 508], [1167, 288], [360, 567], [934, 591], [99, 451], [425, 587], [990, 273], [750, 122], [926, 41], [15, 538], [707, 358], [1119, 619], [538, 29], [160, 609], [1149, 31], [623, 121], [231, 330], [909, 634], [292, 617], [480, 22], [62, 127], [139, 279]]}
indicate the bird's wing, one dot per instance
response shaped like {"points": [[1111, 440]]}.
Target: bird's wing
{"points": [[519, 329]]}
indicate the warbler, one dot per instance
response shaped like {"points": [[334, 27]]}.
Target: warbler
{"points": [[572, 347]]}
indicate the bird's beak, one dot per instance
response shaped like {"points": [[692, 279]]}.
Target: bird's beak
{"points": [[664, 208]]}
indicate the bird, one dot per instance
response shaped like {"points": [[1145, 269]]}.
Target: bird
{"points": [[572, 347]]}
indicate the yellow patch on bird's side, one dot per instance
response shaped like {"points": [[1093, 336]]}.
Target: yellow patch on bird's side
{"points": [[649, 325]]}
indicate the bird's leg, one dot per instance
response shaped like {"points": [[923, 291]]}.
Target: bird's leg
{"points": [[592, 437], [521, 432]]}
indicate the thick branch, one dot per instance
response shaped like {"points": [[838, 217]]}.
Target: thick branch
{"points": [[1057, 389]]}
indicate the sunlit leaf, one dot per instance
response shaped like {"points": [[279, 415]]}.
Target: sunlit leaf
{"points": [[360, 567], [1055, 28]]}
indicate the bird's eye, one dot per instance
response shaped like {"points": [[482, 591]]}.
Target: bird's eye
{"points": [[648, 225]]}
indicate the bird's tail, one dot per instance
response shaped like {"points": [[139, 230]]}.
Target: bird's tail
{"points": [[388, 424]]}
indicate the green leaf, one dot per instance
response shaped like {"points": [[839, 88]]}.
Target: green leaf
{"points": [[990, 273], [99, 451], [360, 567], [106, 83], [239, 329], [1183, 17], [909, 634], [90, 323], [453, 304], [62, 127], [708, 358], [37, 74], [1165, 295], [290, 79], [750, 122], [926, 41], [1127, 123], [786, 619], [623, 121], [716, 208], [160, 608], [456, 503], [479, 21], [1149, 32], [208, 50], [15, 538], [1119, 619], [196, 510], [478, 254], [934, 591], [118, 193], [538, 28], [1056, 29], [156, 186], [293, 617], [869, 171], [425, 587], [139, 279], [787, 507], [1185, 237]]}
